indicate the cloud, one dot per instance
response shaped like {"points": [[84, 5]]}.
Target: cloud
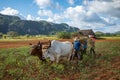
{"points": [[43, 3], [74, 13], [9, 11], [50, 16], [50, 20], [71, 2], [110, 29], [99, 15], [48, 4], [79, 13], [57, 6], [29, 17], [58, 18], [111, 8], [44, 12], [92, 18]]}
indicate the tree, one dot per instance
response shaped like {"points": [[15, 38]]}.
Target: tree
{"points": [[1, 35], [75, 34], [98, 34], [27, 35], [12, 34], [64, 35], [107, 34]]}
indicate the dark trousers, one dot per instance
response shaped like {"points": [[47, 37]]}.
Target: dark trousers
{"points": [[92, 51], [78, 54], [84, 51]]}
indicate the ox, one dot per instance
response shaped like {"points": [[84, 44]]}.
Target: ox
{"points": [[37, 51], [57, 49]]}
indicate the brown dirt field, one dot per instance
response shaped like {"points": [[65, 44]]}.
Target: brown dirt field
{"points": [[103, 73], [14, 44]]}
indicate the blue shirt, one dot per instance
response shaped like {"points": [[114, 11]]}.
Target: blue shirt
{"points": [[85, 45], [77, 45]]}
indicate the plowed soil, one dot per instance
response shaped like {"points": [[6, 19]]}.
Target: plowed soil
{"points": [[14, 44], [102, 72]]}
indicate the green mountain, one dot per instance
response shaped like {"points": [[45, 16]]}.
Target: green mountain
{"points": [[14, 23], [118, 33]]}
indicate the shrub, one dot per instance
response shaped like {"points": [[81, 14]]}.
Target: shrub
{"points": [[12, 34], [64, 35], [1, 35]]}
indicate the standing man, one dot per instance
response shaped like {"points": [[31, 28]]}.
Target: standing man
{"points": [[92, 46], [84, 46], [77, 47]]}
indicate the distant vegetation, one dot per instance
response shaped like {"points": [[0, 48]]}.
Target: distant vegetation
{"points": [[64, 35], [15, 35], [57, 35], [99, 34]]}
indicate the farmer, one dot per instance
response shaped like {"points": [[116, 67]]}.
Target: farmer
{"points": [[84, 46], [92, 45], [77, 48]]}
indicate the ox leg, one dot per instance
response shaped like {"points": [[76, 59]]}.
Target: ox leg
{"points": [[57, 59], [69, 57], [73, 54]]}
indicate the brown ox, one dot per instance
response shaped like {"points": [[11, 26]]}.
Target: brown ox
{"points": [[37, 50]]}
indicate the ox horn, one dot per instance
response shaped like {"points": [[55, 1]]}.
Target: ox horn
{"points": [[50, 43], [32, 46], [39, 42], [30, 43]]}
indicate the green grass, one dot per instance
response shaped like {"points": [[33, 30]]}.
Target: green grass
{"points": [[18, 64], [24, 38], [114, 37]]}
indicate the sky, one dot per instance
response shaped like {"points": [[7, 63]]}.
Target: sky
{"points": [[99, 15]]}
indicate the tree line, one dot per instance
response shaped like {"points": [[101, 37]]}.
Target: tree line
{"points": [[100, 34]]}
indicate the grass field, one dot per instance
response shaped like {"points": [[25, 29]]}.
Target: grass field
{"points": [[113, 38], [24, 38], [18, 64]]}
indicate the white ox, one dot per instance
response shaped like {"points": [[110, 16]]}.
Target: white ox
{"points": [[58, 49]]}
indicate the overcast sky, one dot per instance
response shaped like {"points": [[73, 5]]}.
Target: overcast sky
{"points": [[99, 15]]}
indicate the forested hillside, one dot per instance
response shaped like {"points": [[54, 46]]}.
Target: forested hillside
{"points": [[22, 27]]}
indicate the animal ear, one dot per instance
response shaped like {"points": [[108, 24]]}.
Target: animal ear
{"points": [[39, 45], [32, 46], [30, 43]]}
